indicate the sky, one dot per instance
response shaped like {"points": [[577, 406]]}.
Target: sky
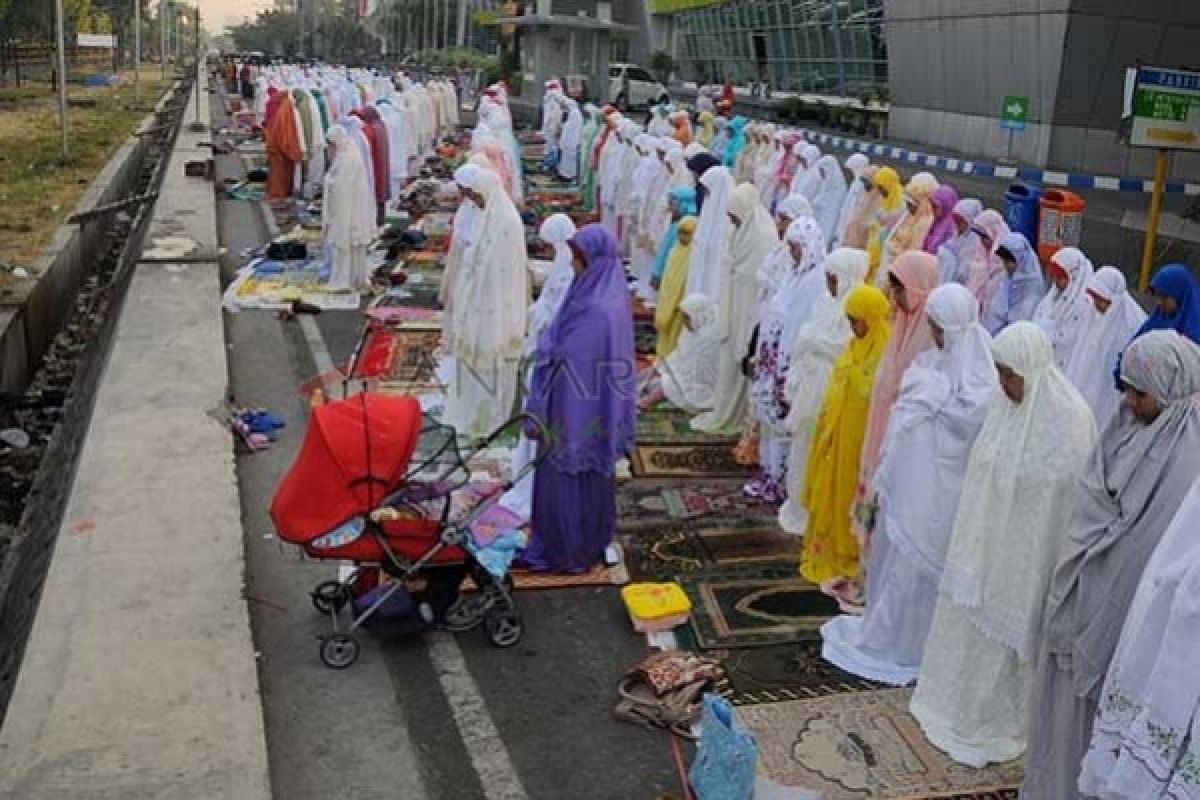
{"points": [[224, 13]]}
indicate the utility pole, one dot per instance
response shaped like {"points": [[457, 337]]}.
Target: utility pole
{"points": [[137, 52], [461, 38], [62, 77]]}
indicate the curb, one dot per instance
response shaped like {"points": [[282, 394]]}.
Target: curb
{"points": [[1071, 180]]}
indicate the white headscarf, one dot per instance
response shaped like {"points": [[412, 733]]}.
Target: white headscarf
{"points": [[1018, 494], [680, 174], [712, 234], [943, 399], [689, 373], [857, 163], [463, 234], [801, 287], [1101, 339], [829, 195], [557, 230], [807, 179], [570, 139], [1063, 314]]}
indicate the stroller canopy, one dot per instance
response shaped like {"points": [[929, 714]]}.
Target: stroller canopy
{"points": [[355, 452]]}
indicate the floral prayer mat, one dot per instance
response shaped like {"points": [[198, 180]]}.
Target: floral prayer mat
{"points": [[666, 551], [413, 362], [865, 745], [642, 504], [673, 426], [752, 606], [687, 461]]}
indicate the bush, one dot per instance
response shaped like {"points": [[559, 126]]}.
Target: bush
{"points": [[663, 64]]}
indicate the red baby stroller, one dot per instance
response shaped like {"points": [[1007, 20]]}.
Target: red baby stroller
{"points": [[354, 494]]}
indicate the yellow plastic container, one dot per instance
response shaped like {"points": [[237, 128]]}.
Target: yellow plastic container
{"points": [[651, 601]]}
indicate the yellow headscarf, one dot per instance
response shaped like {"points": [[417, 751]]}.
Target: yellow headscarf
{"points": [[668, 318], [708, 131], [830, 546], [890, 204]]}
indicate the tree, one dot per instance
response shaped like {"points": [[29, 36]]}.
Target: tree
{"points": [[272, 32], [663, 64]]}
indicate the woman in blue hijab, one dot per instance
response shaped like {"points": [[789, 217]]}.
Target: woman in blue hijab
{"points": [[584, 389], [737, 127], [682, 201], [1177, 306]]}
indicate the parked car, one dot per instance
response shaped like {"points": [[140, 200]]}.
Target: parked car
{"points": [[631, 86]]}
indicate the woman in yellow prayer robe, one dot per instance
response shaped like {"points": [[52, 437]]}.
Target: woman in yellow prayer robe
{"points": [[830, 556], [668, 317]]}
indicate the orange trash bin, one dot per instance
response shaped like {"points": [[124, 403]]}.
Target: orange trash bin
{"points": [[1060, 222]]}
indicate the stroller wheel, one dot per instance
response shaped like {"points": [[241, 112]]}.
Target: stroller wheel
{"points": [[504, 628], [338, 651], [329, 597]]}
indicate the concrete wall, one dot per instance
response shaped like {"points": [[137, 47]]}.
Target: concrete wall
{"points": [[951, 62]]}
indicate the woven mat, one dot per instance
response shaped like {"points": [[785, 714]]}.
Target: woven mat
{"points": [[687, 461], [672, 426], [645, 503], [752, 606], [782, 672], [865, 745]]}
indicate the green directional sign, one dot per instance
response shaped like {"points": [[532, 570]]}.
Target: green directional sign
{"points": [[1014, 114]]}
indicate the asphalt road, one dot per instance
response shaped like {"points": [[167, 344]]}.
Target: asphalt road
{"points": [[417, 718]]}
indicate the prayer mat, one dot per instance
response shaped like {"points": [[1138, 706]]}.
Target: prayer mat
{"points": [[779, 673], [686, 461], [673, 426], [751, 606], [413, 360], [642, 504], [865, 745], [666, 551]]}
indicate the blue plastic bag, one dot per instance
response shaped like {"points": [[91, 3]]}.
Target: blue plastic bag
{"points": [[727, 756]]}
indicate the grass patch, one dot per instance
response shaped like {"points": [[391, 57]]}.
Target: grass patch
{"points": [[37, 188]]}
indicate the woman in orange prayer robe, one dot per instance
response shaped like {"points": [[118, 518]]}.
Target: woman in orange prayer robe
{"points": [[283, 149]]}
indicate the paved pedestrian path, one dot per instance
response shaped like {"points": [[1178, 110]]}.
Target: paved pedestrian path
{"points": [[139, 680]]}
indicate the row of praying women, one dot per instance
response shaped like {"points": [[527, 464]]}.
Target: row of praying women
{"points": [[354, 135], [982, 452]]}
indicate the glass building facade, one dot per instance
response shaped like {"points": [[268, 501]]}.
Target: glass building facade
{"points": [[830, 47]]}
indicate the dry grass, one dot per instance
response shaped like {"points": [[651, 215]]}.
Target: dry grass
{"points": [[37, 189]]}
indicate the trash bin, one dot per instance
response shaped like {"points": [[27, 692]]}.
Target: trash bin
{"points": [[1021, 209], [1060, 223]]}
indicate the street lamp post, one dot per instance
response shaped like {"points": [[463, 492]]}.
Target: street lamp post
{"points": [[162, 36]]}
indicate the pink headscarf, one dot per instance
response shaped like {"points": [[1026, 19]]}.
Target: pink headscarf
{"points": [[983, 282], [944, 198], [911, 336]]}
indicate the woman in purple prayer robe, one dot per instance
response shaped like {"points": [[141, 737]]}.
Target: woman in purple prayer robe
{"points": [[584, 388]]}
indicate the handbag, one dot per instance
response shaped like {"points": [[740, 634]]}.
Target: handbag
{"points": [[726, 757]]}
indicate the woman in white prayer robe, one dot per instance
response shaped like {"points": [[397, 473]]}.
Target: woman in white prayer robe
{"points": [[348, 224], [943, 400], [572, 132], [1107, 330], [829, 195], [751, 240], [713, 231], [687, 377], [1016, 505], [464, 232], [492, 294], [857, 165], [557, 230], [1064, 311]]}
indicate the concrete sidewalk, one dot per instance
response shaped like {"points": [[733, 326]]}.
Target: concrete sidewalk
{"points": [[139, 680]]}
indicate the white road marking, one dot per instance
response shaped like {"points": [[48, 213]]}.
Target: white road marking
{"points": [[478, 731], [316, 345]]}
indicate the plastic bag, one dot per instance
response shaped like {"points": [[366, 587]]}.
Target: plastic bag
{"points": [[726, 757]]}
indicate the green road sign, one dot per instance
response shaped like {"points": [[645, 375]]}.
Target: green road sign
{"points": [[1014, 114]]}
